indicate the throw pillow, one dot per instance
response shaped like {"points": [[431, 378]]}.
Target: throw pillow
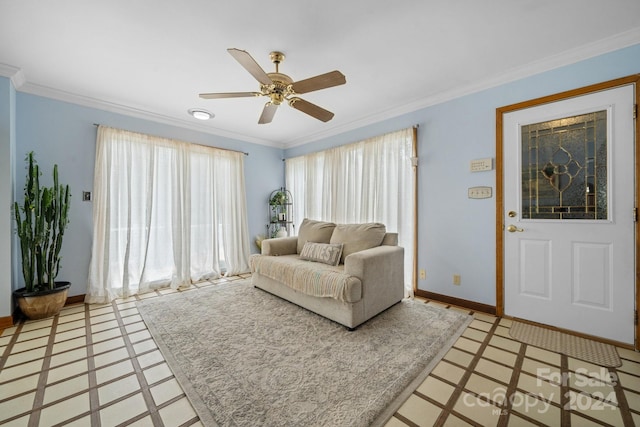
{"points": [[314, 231], [326, 253], [358, 237]]}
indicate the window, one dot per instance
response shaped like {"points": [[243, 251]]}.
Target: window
{"points": [[166, 213], [368, 181]]}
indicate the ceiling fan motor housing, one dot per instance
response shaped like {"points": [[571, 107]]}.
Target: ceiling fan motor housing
{"points": [[280, 89]]}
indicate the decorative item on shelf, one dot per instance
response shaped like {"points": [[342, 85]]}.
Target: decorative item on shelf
{"points": [[280, 213], [279, 198], [40, 228], [259, 239]]}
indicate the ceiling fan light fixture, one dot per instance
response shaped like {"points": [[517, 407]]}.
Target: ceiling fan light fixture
{"points": [[200, 114]]}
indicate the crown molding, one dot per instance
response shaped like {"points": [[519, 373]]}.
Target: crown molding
{"points": [[572, 56], [15, 74], [86, 101], [568, 57]]}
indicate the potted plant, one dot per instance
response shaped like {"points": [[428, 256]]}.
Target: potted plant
{"points": [[278, 202], [41, 223], [279, 198]]}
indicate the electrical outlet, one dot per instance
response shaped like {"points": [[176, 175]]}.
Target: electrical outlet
{"points": [[456, 279], [423, 274], [86, 196]]}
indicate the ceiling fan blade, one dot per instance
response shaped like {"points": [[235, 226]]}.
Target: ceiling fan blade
{"points": [[229, 95], [267, 113], [250, 65], [311, 109], [323, 81]]}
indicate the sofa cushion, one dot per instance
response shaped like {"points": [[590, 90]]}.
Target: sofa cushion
{"points": [[390, 239], [326, 253], [357, 237], [314, 231]]}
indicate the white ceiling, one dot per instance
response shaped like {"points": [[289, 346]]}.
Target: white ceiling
{"points": [[151, 58]]}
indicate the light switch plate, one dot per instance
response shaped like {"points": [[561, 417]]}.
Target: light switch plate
{"points": [[480, 192], [481, 165]]}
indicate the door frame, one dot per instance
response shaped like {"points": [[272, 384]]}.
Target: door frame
{"points": [[500, 112]]}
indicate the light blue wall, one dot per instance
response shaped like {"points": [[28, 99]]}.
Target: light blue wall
{"points": [[63, 133], [7, 147], [456, 234]]}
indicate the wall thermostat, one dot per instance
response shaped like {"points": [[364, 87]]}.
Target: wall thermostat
{"points": [[481, 165]]}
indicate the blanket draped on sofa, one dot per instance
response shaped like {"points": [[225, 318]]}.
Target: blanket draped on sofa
{"points": [[311, 278]]}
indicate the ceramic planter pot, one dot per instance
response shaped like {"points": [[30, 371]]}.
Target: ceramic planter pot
{"points": [[43, 304]]}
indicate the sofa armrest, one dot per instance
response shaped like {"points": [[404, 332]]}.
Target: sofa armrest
{"points": [[381, 270], [280, 246]]}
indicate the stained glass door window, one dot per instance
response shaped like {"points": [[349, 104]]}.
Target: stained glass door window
{"points": [[564, 168]]}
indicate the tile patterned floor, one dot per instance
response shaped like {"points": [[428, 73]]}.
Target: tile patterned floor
{"points": [[97, 365], [489, 379]]}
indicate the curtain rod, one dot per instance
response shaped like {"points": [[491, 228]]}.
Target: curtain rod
{"points": [[201, 145], [416, 126]]}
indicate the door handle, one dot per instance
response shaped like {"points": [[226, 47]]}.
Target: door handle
{"points": [[512, 228]]}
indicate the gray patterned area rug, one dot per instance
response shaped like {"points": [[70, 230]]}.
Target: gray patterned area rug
{"points": [[577, 347], [247, 358]]}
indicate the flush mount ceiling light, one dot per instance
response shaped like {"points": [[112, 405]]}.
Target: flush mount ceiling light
{"points": [[200, 114]]}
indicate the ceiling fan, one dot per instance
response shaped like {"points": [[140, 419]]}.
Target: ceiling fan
{"points": [[279, 87]]}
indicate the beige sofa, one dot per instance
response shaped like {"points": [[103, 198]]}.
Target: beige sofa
{"points": [[346, 272]]}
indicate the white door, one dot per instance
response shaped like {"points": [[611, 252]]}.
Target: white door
{"points": [[569, 214]]}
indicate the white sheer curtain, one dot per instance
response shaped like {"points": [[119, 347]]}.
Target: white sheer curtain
{"points": [[367, 181], [166, 213]]}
